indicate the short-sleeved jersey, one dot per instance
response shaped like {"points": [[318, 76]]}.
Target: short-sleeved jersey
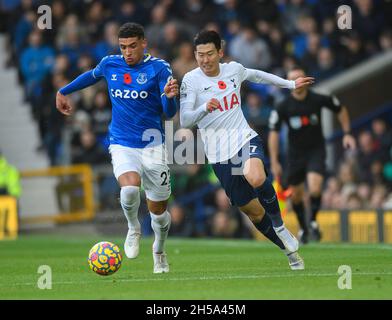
{"points": [[225, 130], [303, 118], [135, 93]]}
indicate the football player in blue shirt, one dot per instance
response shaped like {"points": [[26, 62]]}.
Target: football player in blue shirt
{"points": [[141, 89]]}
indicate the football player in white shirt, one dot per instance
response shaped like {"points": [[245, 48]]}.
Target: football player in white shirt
{"points": [[210, 98]]}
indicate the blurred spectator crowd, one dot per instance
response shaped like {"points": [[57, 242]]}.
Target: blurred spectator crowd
{"points": [[364, 177], [268, 35]]}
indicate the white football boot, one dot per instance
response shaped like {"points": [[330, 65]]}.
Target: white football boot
{"points": [[295, 261], [131, 245], [290, 242], [160, 263]]}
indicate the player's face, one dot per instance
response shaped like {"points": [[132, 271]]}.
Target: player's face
{"points": [[295, 74], [207, 57], [132, 49]]}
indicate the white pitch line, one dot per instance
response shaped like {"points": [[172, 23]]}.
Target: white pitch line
{"points": [[258, 244], [212, 278]]}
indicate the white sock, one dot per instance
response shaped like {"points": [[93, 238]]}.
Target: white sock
{"points": [[130, 201], [160, 224]]}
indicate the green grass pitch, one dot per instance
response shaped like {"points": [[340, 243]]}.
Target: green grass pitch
{"points": [[200, 269]]}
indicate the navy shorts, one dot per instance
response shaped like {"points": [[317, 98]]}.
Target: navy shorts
{"points": [[230, 175]]}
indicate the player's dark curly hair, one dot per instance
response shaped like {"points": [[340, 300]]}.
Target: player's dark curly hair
{"points": [[131, 30], [208, 36]]}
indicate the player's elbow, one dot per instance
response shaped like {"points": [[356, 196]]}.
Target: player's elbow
{"points": [[185, 122]]}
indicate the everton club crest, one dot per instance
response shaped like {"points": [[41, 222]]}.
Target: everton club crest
{"points": [[141, 78]]}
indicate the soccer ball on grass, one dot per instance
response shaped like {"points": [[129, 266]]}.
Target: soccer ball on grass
{"points": [[104, 258]]}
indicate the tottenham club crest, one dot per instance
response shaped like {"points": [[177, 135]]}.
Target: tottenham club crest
{"points": [[141, 78]]}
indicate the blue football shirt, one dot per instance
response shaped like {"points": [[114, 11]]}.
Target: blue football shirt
{"points": [[136, 95]]}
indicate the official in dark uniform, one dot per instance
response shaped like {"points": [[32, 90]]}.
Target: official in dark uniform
{"points": [[306, 147]]}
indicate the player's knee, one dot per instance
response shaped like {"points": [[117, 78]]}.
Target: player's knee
{"points": [[256, 218], [157, 208], [256, 179], [129, 194]]}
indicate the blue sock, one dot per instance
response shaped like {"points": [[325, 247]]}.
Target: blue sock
{"points": [[265, 227], [269, 201]]}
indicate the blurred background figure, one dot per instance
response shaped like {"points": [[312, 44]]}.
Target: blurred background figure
{"points": [[9, 179], [181, 223], [227, 221]]}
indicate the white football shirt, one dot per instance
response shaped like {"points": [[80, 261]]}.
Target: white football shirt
{"points": [[225, 130]]}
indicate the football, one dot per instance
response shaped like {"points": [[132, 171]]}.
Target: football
{"points": [[105, 258]]}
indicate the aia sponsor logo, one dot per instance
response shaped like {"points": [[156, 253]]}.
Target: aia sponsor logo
{"points": [[229, 102]]}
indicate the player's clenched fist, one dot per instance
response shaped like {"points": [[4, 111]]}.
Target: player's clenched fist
{"points": [[303, 82], [63, 104], [212, 104], [171, 88]]}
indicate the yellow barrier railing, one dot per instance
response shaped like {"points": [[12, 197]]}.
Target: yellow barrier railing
{"points": [[362, 227], [8, 218], [291, 222], [388, 227], [330, 226], [329, 222], [86, 178]]}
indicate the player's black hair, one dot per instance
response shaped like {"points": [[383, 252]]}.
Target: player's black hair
{"points": [[131, 30], [208, 36]]}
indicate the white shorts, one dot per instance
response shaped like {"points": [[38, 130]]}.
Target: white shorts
{"points": [[149, 163]]}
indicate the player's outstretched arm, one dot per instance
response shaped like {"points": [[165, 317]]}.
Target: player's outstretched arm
{"points": [[63, 104], [259, 76], [84, 80], [303, 82]]}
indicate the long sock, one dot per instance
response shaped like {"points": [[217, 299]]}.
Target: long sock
{"points": [[266, 228], [268, 199], [130, 202], [161, 225], [299, 210], [315, 206]]}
